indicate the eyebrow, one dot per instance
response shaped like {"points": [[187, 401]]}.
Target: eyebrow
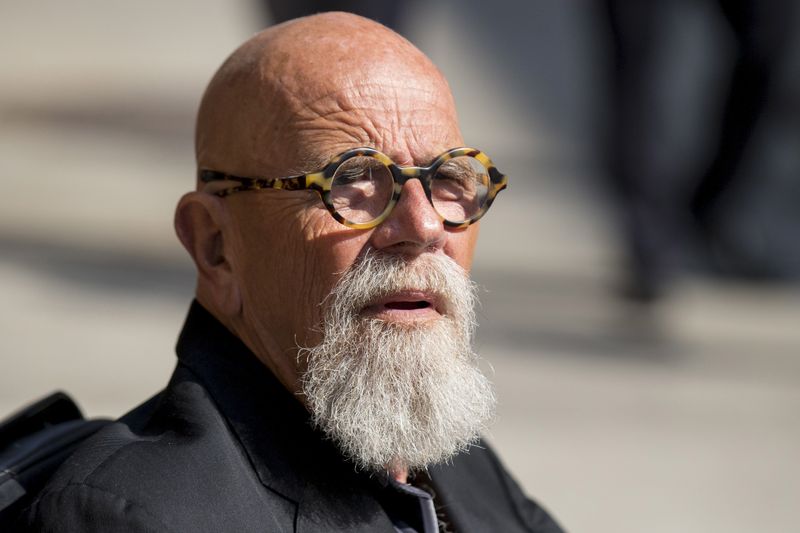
{"points": [[314, 162], [311, 163]]}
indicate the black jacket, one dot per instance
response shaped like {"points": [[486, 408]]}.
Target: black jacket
{"points": [[226, 448]]}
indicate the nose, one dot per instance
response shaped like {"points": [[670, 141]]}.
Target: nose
{"points": [[413, 226]]}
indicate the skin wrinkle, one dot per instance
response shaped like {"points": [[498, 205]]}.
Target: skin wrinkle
{"points": [[352, 98], [302, 226], [323, 133], [362, 129], [286, 92], [350, 107]]}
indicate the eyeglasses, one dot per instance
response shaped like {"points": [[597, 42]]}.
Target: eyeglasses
{"points": [[360, 187]]}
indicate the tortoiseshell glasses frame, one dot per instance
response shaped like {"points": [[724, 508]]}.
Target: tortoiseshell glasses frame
{"points": [[358, 191]]}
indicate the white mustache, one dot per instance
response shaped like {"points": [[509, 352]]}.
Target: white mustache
{"points": [[377, 275]]}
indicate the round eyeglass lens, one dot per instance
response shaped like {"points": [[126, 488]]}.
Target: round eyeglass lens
{"points": [[361, 189], [459, 188]]}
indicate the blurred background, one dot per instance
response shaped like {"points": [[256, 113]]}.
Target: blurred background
{"points": [[640, 298]]}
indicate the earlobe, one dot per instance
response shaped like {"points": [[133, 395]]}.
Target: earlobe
{"points": [[199, 223]]}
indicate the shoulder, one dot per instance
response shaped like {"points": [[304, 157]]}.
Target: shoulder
{"points": [[98, 487], [162, 467], [83, 507]]}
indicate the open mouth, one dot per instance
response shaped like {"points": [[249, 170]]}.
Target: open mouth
{"points": [[419, 304], [406, 305]]}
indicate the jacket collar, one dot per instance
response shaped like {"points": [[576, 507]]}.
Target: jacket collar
{"points": [[274, 430]]}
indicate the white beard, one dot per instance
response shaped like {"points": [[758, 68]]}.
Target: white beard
{"points": [[398, 395]]}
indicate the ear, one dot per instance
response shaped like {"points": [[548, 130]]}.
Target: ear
{"points": [[200, 219]]}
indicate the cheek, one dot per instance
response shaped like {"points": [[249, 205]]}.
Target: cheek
{"points": [[324, 250], [282, 270], [461, 245], [331, 249]]}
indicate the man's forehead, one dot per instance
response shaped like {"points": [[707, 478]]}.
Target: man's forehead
{"points": [[305, 96], [406, 116], [391, 117], [330, 79]]}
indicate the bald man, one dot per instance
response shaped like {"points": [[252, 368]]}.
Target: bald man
{"points": [[325, 377]]}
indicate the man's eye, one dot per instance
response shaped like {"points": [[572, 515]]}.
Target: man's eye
{"points": [[454, 175], [353, 175], [360, 170], [461, 174], [456, 178]]}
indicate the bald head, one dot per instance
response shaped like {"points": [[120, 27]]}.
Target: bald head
{"points": [[296, 91]]}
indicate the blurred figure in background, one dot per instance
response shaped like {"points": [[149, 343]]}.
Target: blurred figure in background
{"points": [[671, 221]]}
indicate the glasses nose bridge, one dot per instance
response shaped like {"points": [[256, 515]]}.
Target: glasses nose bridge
{"points": [[404, 174]]}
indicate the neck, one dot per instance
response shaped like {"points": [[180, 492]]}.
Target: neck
{"points": [[399, 473]]}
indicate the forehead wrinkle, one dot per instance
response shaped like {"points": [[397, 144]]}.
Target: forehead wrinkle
{"points": [[346, 92], [368, 115], [332, 138]]}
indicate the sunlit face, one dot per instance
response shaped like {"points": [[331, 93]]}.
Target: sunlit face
{"points": [[288, 252]]}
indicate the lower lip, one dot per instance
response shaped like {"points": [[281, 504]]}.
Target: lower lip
{"points": [[391, 314]]}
